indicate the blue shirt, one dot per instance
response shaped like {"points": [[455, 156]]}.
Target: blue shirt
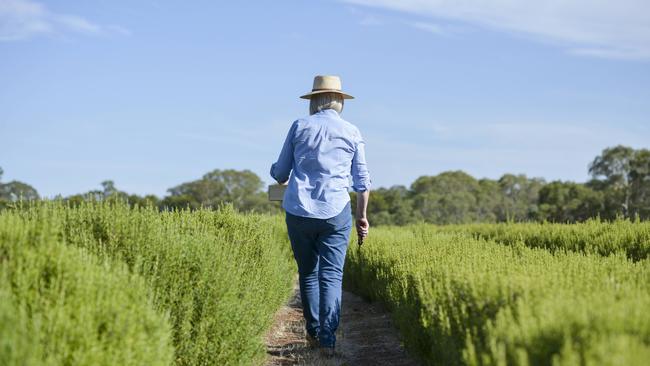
{"points": [[321, 152]]}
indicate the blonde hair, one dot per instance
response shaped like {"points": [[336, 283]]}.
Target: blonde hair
{"points": [[322, 101]]}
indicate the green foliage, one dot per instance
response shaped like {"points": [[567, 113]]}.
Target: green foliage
{"points": [[456, 197], [110, 193], [218, 276], [640, 184], [242, 189], [16, 190], [390, 206], [61, 305], [519, 197], [449, 197], [631, 239], [613, 165], [623, 174], [620, 187], [461, 300], [569, 202]]}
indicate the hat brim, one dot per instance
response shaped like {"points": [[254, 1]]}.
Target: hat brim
{"points": [[345, 96]]}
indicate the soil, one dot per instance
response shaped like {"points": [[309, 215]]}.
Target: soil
{"points": [[366, 336]]}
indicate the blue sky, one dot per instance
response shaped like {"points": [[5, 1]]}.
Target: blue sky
{"points": [[151, 94]]}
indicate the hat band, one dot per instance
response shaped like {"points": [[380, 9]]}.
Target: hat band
{"points": [[326, 89]]}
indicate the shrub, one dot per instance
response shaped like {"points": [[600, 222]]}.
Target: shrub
{"points": [[61, 305], [460, 300], [220, 275]]}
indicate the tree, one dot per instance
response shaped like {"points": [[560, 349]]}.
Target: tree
{"points": [[243, 189], [613, 167], [447, 198], [520, 195], [3, 202], [569, 202], [390, 206], [109, 189], [110, 192], [623, 174], [639, 181], [15, 190], [488, 200]]}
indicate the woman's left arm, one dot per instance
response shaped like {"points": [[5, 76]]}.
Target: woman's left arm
{"points": [[281, 169]]}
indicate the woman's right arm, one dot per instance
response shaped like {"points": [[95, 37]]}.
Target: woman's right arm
{"points": [[281, 169]]}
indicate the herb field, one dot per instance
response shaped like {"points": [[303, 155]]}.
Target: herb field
{"points": [[512, 294], [104, 284], [631, 239]]}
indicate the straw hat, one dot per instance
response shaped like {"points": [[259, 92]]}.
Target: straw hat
{"points": [[326, 84]]}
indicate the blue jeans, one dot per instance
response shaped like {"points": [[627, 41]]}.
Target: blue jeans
{"points": [[319, 247]]}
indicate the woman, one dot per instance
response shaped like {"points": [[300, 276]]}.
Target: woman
{"points": [[319, 155]]}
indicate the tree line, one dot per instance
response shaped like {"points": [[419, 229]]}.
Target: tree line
{"points": [[241, 188], [619, 187]]}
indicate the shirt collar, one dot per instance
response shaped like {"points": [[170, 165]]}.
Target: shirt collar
{"points": [[329, 111]]}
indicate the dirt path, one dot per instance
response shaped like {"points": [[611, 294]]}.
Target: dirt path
{"points": [[366, 336]]}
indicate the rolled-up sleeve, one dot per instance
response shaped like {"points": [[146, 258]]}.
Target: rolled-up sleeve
{"points": [[281, 169], [360, 175]]}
